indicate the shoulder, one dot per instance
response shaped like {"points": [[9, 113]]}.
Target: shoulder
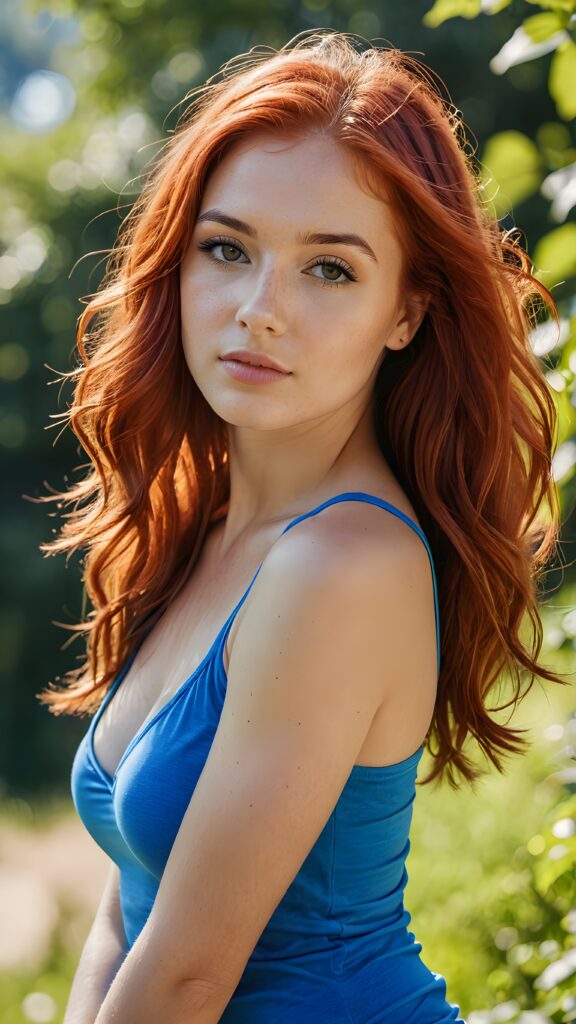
{"points": [[354, 573], [346, 544]]}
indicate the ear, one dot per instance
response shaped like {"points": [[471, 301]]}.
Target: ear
{"points": [[411, 316]]}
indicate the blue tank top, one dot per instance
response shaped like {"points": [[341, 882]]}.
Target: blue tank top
{"points": [[337, 949]]}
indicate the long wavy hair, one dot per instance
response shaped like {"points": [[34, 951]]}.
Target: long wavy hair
{"points": [[464, 415]]}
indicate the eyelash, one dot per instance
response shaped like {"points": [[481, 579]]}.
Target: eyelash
{"points": [[334, 261]]}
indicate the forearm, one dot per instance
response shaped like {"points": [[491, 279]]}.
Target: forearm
{"points": [[100, 961], [143, 992]]}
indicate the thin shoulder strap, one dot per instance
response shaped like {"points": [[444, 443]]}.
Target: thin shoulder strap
{"points": [[374, 500]]}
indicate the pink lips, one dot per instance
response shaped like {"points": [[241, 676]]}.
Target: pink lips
{"points": [[249, 374], [243, 355]]}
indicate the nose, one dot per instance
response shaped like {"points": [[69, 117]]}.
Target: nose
{"points": [[261, 312]]}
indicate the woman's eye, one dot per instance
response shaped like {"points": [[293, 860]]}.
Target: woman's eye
{"points": [[333, 273], [230, 253]]}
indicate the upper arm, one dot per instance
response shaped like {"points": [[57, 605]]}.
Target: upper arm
{"points": [[320, 642]]}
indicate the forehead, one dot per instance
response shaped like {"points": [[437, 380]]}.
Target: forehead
{"points": [[308, 183]]}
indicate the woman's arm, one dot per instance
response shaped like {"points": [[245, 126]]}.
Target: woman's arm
{"points": [[102, 955]]}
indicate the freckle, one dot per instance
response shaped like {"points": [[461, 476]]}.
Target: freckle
{"points": [[251, 805], [237, 762], [299, 723]]}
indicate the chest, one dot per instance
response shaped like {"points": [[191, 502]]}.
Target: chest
{"points": [[169, 655]]}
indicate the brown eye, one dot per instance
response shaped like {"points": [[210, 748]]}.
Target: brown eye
{"points": [[230, 252], [331, 271], [220, 250]]}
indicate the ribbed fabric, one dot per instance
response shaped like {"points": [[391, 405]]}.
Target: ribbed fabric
{"points": [[337, 949]]}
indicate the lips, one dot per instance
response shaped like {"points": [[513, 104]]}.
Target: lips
{"points": [[254, 359]]}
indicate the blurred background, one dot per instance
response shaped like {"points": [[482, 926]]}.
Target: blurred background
{"points": [[88, 93]]}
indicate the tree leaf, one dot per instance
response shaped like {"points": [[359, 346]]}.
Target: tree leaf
{"points": [[555, 5], [512, 169], [445, 9], [562, 80], [555, 255], [520, 48], [542, 26]]}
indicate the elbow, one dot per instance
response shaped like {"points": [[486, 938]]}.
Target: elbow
{"points": [[154, 999], [198, 1001]]}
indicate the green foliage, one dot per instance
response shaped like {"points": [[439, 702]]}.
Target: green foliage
{"points": [[555, 255], [498, 918], [513, 162], [444, 9], [562, 82], [542, 26]]}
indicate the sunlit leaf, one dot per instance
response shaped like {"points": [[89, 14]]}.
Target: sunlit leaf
{"points": [[445, 9], [521, 48], [562, 81], [543, 26], [555, 255], [512, 169]]}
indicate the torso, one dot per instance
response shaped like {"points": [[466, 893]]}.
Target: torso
{"points": [[184, 634]]}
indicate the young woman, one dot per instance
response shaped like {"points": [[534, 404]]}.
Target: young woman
{"points": [[314, 416]]}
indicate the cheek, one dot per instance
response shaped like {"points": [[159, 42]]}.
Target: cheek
{"points": [[202, 306], [347, 335]]}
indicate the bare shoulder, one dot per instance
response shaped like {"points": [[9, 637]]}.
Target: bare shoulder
{"points": [[350, 544], [353, 569], [352, 528]]}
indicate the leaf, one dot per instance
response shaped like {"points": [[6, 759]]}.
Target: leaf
{"points": [[562, 80], [445, 9], [520, 48], [555, 5], [512, 167], [555, 255], [542, 26]]}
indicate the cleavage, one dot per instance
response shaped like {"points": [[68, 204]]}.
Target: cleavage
{"points": [[169, 655]]}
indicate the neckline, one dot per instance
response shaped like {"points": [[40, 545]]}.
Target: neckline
{"points": [[215, 649]]}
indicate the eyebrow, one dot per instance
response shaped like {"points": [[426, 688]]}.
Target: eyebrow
{"points": [[310, 238]]}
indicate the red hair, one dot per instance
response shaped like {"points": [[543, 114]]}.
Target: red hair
{"points": [[464, 416]]}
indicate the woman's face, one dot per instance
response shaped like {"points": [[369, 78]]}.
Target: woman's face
{"points": [[291, 258]]}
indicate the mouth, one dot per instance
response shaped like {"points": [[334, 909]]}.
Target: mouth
{"points": [[252, 373], [257, 359]]}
